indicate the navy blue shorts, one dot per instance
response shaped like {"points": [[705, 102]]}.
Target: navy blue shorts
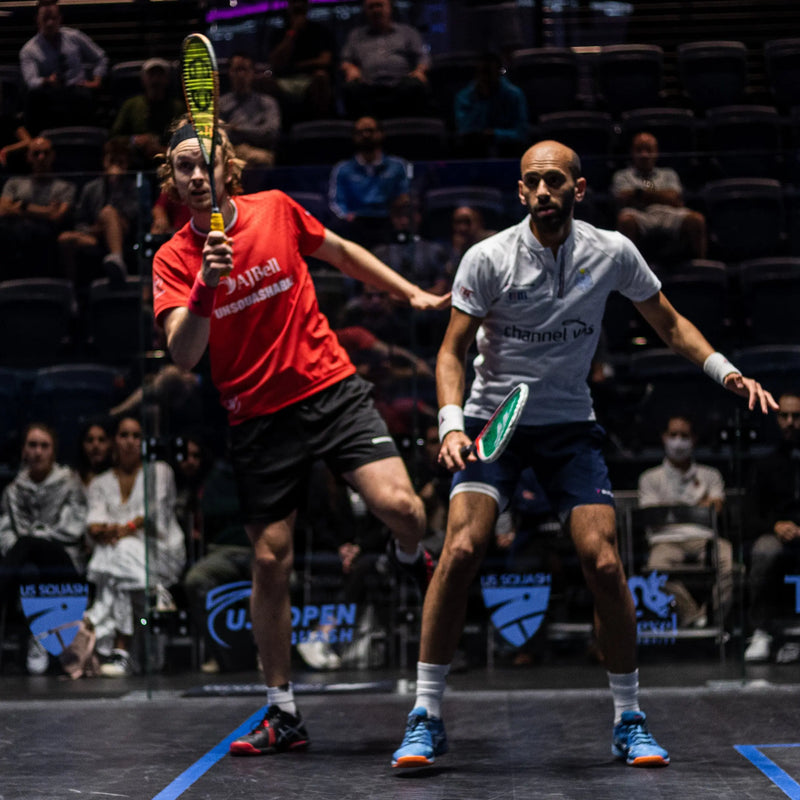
{"points": [[566, 459]]}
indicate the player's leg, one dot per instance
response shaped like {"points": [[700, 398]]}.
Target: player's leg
{"points": [[593, 529], [469, 529], [282, 728]]}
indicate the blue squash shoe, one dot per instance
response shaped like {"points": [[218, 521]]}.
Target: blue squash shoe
{"points": [[424, 739], [634, 742]]}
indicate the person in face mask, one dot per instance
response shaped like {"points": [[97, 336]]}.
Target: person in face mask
{"points": [[680, 480], [773, 497]]}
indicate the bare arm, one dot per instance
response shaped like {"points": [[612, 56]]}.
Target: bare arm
{"points": [[451, 380], [680, 335], [356, 261], [187, 333]]}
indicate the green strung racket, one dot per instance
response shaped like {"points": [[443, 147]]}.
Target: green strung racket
{"points": [[497, 432], [200, 79]]}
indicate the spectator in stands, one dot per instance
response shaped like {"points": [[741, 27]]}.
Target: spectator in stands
{"points": [[467, 229], [42, 525], [301, 58], [33, 210], [117, 523], [192, 464], [680, 480], [169, 215], [253, 119], [420, 260], [94, 452], [491, 114], [773, 511], [651, 209], [142, 120], [362, 188], [105, 217], [385, 67], [54, 67]]}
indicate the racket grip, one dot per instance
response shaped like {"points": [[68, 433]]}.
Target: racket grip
{"points": [[217, 223], [467, 450]]}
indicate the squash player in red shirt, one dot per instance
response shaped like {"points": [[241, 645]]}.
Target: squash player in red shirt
{"points": [[290, 390]]}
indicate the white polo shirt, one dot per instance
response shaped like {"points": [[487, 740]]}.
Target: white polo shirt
{"points": [[542, 315]]}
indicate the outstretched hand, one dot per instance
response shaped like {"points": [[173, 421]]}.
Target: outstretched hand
{"points": [[753, 391], [427, 301]]}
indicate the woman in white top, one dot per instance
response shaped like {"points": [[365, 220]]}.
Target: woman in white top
{"points": [[116, 525]]}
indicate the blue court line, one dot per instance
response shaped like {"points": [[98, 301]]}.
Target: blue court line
{"points": [[204, 763], [752, 752]]}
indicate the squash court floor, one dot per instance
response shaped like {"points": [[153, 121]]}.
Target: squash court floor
{"points": [[534, 732]]}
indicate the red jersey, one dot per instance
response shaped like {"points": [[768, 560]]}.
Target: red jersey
{"points": [[269, 344]]}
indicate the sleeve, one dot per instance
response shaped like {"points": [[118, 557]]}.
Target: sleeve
{"points": [[416, 49], [96, 508], [29, 68], [637, 281], [310, 231], [64, 192], [517, 116], [93, 54], [71, 525], [172, 283], [349, 52], [476, 283], [8, 533], [647, 490], [669, 180], [466, 111], [622, 181], [337, 191], [716, 485], [10, 189]]}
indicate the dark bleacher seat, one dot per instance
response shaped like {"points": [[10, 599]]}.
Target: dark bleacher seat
{"points": [[36, 317], [448, 73], [415, 138], [78, 148], [314, 202], [439, 204], [14, 387], [323, 141], [590, 134], [125, 80], [713, 73], [65, 395], [549, 78], [745, 141], [782, 59], [10, 90], [745, 218], [119, 322], [770, 295], [629, 76]]}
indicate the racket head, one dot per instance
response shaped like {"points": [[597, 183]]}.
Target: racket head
{"points": [[200, 81], [490, 443]]}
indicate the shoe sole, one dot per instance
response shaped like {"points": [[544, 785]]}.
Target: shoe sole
{"points": [[413, 761], [246, 749], [641, 761]]}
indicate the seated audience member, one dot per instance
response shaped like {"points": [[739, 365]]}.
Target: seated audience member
{"points": [[42, 525], [467, 229], [253, 120], [143, 120], [420, 260], [773, 514], [168, 215], [363, 188], [105, 218], [301, 59], [384, 65], [94, 451], [54, 65], [192, 464], [120, 556], [680, 480], [33, 210], [651, 209], [491, 114]]}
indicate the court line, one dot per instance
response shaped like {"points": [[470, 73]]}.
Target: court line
{"points": [[752, 752], [205, 762]]}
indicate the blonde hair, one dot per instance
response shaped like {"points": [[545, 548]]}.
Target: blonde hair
{"points": [[233, 165]]}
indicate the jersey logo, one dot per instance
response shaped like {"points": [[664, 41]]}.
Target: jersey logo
{"points": [[250, 278], [158, 286], [465, 293]]}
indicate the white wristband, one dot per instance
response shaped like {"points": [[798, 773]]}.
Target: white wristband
{"points": [[718, 367], [451, 418]]}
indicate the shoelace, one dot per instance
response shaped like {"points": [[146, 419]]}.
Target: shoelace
{"points": [[416, 732], [638, 735]]}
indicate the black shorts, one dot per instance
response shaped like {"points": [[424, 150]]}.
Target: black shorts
{"points": [[272, 455]]}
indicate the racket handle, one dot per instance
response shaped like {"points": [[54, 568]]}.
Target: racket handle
{"points": [[217, 223], [468, 450]]}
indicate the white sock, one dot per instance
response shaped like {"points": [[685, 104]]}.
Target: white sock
{"points": [[430, 687], [283, 697], [406, 558], [625, 691]]}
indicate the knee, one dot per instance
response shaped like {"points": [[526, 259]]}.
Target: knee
{"points": [[271, 567], [766, 548]]}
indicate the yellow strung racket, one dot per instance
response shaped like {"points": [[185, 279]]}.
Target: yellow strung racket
{"points": [[200, 79]]}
